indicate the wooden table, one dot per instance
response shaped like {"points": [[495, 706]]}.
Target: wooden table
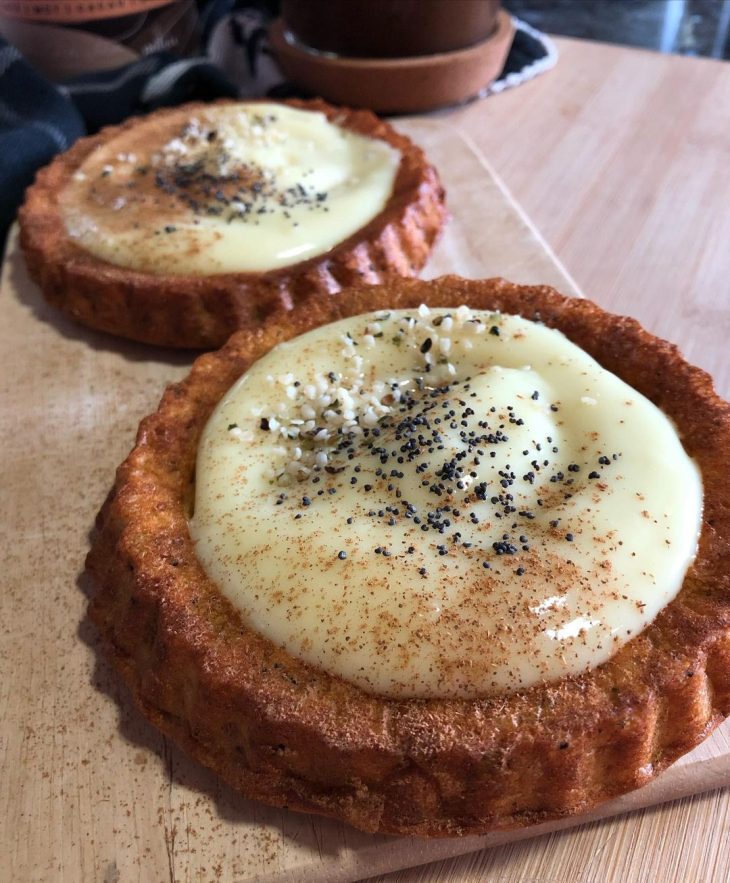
{"points": [[622, 159]]}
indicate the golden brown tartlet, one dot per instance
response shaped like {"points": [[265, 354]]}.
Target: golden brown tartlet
{"points": [[287, 734], [202, 311]]}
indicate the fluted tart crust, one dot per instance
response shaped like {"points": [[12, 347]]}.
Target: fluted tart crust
{"points": [[288, 734], [201, 311]]}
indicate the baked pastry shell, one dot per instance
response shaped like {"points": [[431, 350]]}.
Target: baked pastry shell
{"points": [[195, 311], [288, 734]]}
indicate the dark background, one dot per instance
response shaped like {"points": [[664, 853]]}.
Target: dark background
{"points": [[686, 27]]}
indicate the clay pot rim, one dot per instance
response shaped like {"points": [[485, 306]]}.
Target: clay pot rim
{"points": [[280, 34]]}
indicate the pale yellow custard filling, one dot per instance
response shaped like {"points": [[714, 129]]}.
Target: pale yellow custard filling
{"points": [[443, 503], [237, 188]]}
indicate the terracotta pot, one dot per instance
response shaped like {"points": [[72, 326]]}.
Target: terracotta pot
{"points": [[394, 85], [389, 28], [67, 39]]}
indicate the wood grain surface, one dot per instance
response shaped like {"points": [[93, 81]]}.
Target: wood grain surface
{"points": [[90, 791], [621, 158]]}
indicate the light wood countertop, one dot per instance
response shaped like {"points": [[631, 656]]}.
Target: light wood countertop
{"points": [[622, 159]]}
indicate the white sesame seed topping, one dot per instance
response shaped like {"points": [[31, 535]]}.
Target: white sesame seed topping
{"points": [[329, 405]]}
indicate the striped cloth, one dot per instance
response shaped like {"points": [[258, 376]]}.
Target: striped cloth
{"points": [[39, 119], [36, 122]]}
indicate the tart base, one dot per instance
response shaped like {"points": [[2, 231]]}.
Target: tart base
{"points": [[201, 312], [290, 735]]}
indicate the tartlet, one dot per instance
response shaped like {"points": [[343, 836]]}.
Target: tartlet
{"points": [[289, 734], [201, 310]]}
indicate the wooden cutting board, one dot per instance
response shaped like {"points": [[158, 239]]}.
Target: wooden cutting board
{"points": [[89, 791]]}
